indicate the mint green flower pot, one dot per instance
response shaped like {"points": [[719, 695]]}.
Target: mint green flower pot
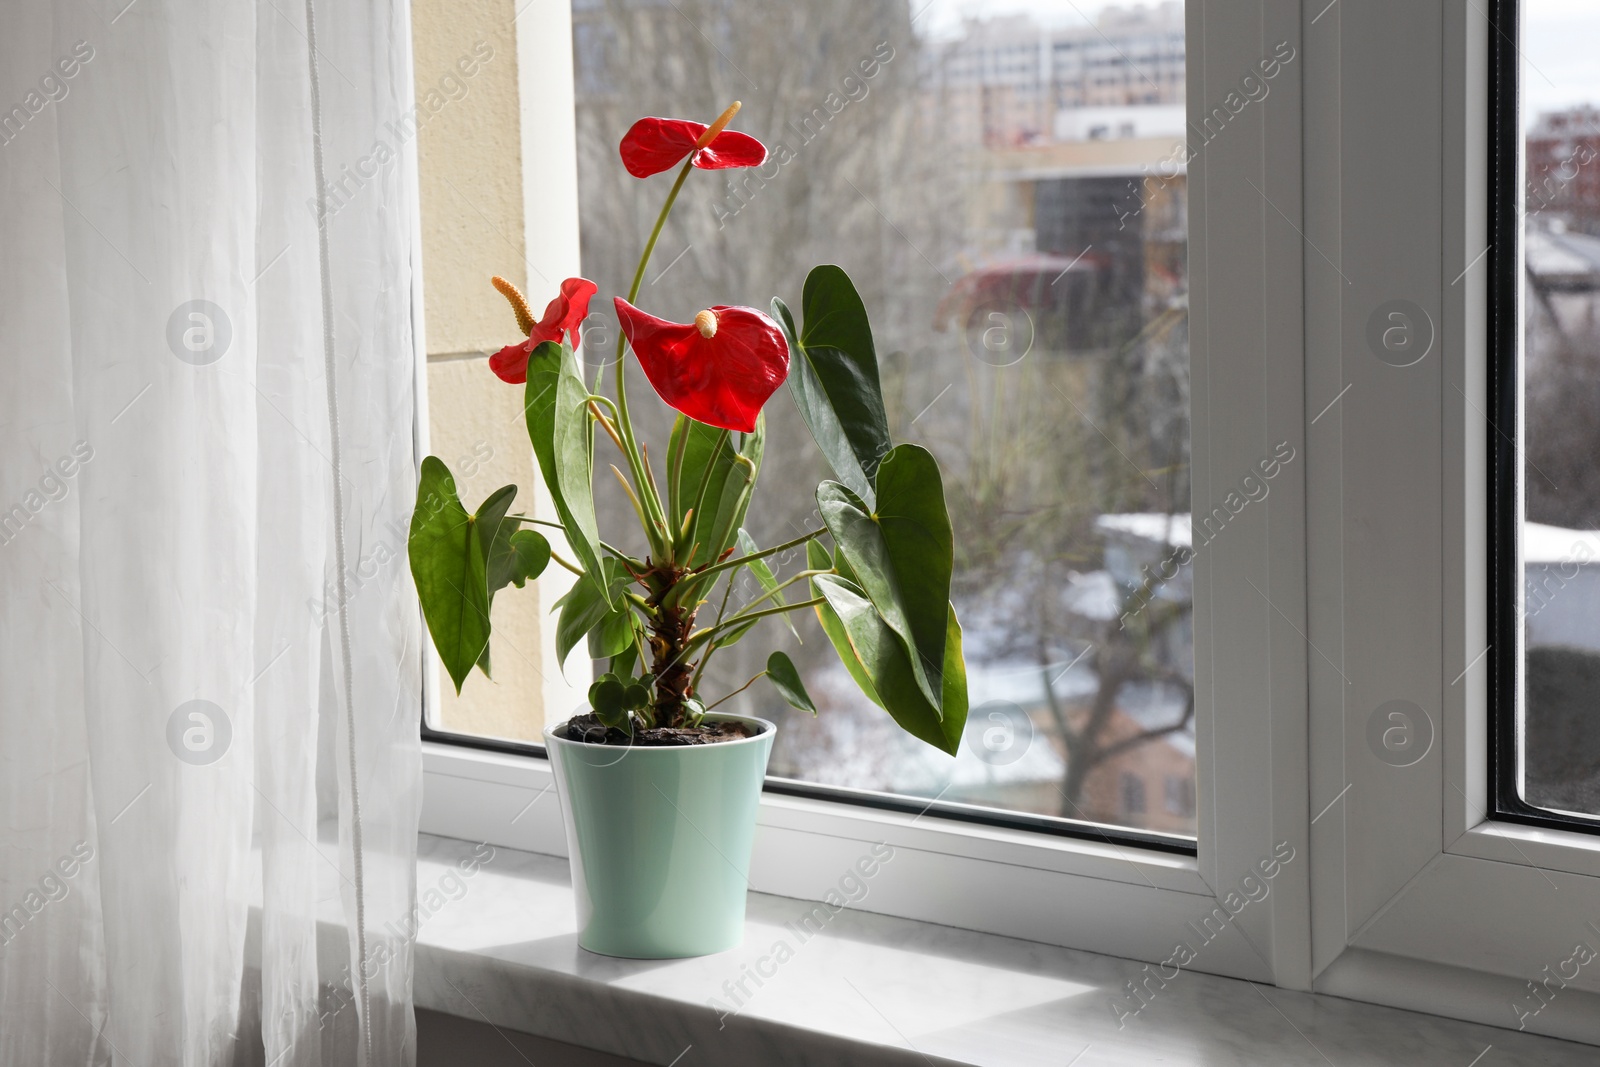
{"points": [[659, 840]]}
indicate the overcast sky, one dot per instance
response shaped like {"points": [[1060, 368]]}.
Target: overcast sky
{"points": [[1560, 39], [1561, 47]]}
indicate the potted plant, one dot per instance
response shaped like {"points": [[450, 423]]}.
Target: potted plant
{"points": [[658, 789]]}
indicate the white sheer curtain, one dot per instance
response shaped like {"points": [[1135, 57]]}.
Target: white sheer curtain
{"points": [[209, 766]]}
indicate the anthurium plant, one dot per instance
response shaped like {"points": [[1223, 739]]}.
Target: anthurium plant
{"points": [[877, 568]]}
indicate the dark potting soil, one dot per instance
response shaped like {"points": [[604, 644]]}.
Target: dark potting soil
{"points": [[590, 729]]}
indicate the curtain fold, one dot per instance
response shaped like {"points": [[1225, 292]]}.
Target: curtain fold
{"points": [[201, 714]]}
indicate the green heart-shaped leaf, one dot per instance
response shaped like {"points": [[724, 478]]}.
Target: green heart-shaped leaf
{"points": [[877, 660], [585, 607], [638, 694], [901, 554], [449, 569], [833, 377], [612, 634], [608, 701], [555, 404], [782, 674], [529, 555]]}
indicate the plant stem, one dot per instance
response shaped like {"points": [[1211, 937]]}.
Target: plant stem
{"points": [[739, 561], [723, 441], [698, 637], [786, 583], [650, 245], [647, 522], [644, 654], [573, 567], [710, 631], [727, 591], [613, 549], [675, 474], [650, 479], [538, 522], [623, 419], [711, 649], [606, 424], [700, 668], [739, 690], [635, 565]]}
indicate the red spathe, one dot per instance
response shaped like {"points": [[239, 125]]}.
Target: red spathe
{"points": [[653, 145], [562, 316], [722, 380]]}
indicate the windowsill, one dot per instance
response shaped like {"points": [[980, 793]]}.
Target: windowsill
{"points": [[871, 989]]}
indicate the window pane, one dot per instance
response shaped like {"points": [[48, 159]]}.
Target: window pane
{"points": [[983, 181], [1561, 475]]}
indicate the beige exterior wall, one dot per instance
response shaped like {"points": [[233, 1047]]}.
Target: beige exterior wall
{"points": [[469, 159]]}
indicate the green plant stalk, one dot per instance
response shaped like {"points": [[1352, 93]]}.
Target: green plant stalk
{"points": [[700, 668], [739, 561], [695, 582], [711, 649], [646, 521], [700, 494], [711, 631], [613, 549], [625, 423], [780, 587], [573, 567], [639, 644], [675, 478], [739, 690], [700, 636], [727, 592]]}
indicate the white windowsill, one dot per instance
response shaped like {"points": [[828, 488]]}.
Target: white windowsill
{"points": [[872, 989]]}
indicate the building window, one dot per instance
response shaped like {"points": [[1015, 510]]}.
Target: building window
{"points": [[1132, 794], [1179, 795]]}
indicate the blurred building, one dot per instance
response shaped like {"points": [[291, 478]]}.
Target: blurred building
{"points": [[1563, 167], [1004, 81], [1089, 237]]}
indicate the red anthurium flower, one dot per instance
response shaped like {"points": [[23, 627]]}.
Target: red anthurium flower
{"points": [[719, 369], [563, 315], [653, 145]]}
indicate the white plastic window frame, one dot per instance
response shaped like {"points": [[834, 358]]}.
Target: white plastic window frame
{"points": [[1420, 898], [1242, 901], [1350, 176]]}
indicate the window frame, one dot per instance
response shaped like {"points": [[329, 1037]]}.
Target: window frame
{"points": [[976, 814], [1423, 897], [1505, 318], [1403, 890], [1130, 892]]}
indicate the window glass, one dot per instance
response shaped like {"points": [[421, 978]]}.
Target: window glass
{"points": [[1560, 84], [1005, 184]]}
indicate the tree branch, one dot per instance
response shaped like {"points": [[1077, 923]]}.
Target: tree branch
{"points": [[1149, 735]]}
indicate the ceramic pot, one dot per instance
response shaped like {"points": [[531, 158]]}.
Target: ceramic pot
{"points": [[659, 840]]}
